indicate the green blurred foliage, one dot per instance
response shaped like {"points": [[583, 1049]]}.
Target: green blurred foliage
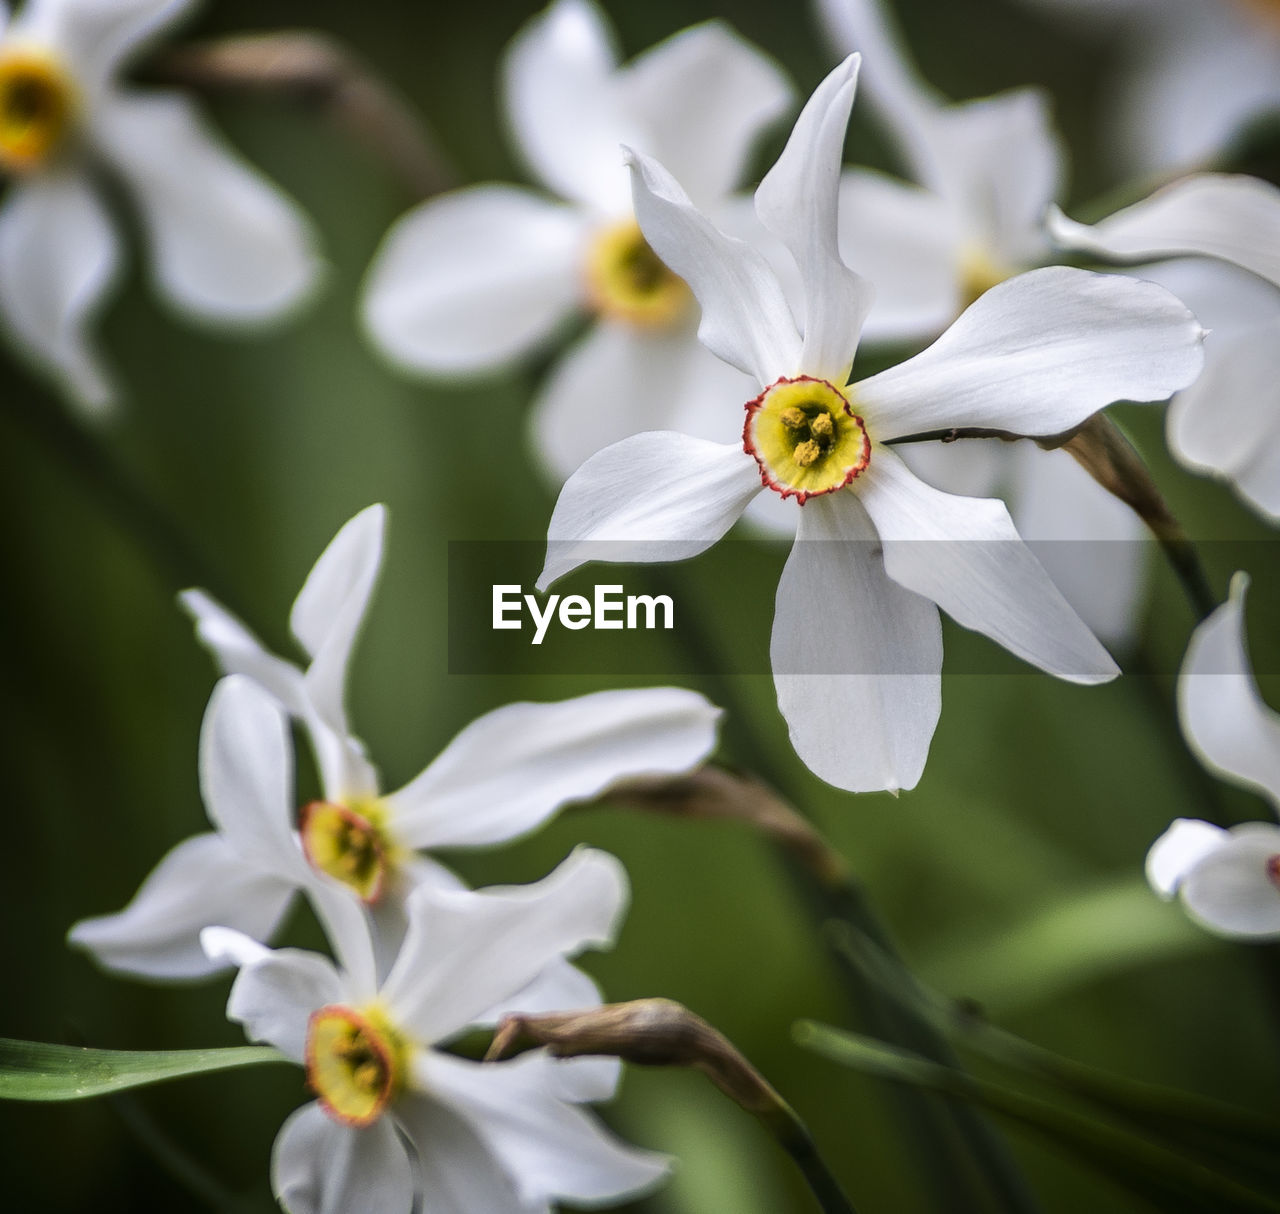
{"points": [[1011, 874]]}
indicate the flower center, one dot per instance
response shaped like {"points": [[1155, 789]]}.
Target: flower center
{"points": [[349, 843], [627, 281], [1273, 870], [356, 1062], [805, 437], [979, 272], [37, 102]]}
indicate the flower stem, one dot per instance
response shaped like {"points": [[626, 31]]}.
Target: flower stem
{"points": [[950, 1142]]}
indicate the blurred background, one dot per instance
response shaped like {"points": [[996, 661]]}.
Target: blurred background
{"points": [[1012, 875]]}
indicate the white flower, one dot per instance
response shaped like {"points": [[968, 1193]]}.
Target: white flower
{"points": [[1228, 422], [504, 775], [474, 280], [396, 1119], [227, 246], [1228, 880], [986, 173], [856, 643], [1195, 73]]}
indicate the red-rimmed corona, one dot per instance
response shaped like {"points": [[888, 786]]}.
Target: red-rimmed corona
{"points": [[806, 438], [355, 1062]]}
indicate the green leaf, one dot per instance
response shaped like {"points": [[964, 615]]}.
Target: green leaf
{"points": [[1169, 1179], [33, 1070]]}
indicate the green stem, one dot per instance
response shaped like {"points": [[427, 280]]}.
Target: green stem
{"points": [[957, 1138]]}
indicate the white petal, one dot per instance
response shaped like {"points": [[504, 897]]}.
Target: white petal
{"points": [[472, 280], [467, 951], [564, 106], [200, 882], [1090, 543], [1226, 723], [1039, 354], [906, 242], [348, 925], [228, 246], [1234, 218], [58, 257], [549, 1147], [511, 769], [331, 606], [1227, 300], [856, 659], [95, 36], [1231, 890], [965, 555], [619, 380], [745, 317], [238, 651], [321, 1167], [246, 775], [704, 97], [276, 990], [459, 1173], [652, 497], [561, 987], [997, 162], [799, 202], [1178, 851], [1228, 421]]}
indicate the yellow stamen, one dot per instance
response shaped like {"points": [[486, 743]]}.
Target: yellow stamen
{"points": [[627, 281], [806, 438], [350, 843], [979, 272], [37, 105], [356, 1062]]}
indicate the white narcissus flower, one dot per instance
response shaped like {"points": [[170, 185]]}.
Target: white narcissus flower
{"points": [[986, 172], [1228, 880], [1228, 422], [1194, 73], [397, 1120], [227, 246], [857, 649], [503, 776], [475, 280]]}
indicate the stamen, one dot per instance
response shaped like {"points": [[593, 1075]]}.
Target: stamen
{"points": [[37, 104], [356, 1062], [627, 281], [806, 438], [350, 844]]}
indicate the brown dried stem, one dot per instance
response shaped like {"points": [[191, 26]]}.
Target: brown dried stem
{"points": [[315, 71]]}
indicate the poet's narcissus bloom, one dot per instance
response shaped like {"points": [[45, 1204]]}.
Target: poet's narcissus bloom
{"points": [[503, 776], [1228, 880], [1228, 422], [397, 1120], [857, 648], [475, 280], [225, 244]]}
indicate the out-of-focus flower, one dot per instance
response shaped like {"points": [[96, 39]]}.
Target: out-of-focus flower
{"points": [[986, 172], [857, 649], [1228, 422], [226, 245], [1196, 73], [503, 776], [397, 1120], [474, 280], [1228, 880]]}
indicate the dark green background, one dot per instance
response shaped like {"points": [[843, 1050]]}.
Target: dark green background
{"points": [[1012, 874]]}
